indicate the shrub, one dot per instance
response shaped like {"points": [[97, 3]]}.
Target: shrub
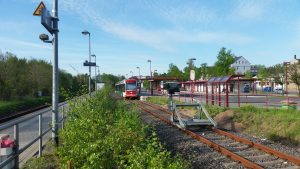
{"points": [[105, 133]]}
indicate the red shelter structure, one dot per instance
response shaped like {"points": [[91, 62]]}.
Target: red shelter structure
{"points": [[217, 89]]}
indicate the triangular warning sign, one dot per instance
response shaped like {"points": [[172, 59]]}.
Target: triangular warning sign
{"points": [[38, 10]]}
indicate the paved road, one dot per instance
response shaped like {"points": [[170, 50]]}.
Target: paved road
{"points": [[29, 131]]}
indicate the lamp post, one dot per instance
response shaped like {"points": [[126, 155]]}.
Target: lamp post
{"points": [[88, 33], [154, 72], [286, 87], [139, 72], [98, 73], [150, 68], [192, 78], [95, 72], [131, 73]]}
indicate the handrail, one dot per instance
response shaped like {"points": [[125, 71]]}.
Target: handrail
{"points": [[15, 124]]}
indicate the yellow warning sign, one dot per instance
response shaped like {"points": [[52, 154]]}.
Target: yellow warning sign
{"points": [[38, 10]]}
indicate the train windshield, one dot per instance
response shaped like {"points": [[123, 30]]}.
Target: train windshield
{"points": [[131, 86]]}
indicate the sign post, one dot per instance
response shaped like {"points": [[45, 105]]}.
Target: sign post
{"points": [[51, 24]]}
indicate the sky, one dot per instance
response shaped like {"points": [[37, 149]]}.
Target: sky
{"points": [[127, 33]]}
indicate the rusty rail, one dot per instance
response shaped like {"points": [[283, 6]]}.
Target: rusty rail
{"points": [[261, 147], [235, 157], [258, 146]]}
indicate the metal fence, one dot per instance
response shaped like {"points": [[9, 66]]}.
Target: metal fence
{"points": [[235, 100], [13, 127]]}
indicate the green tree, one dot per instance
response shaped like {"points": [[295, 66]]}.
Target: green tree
{"points": [[174, 71], [248, 74], [222, 65], [277, 71], [110, 79]]}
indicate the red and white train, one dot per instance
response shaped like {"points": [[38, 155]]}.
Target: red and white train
{"points": [[128, 88]]}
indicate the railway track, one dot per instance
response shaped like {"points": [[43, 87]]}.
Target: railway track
{"points": [[240, 150]]}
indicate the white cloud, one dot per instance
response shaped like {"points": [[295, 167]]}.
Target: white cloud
{"points": [[161, 39], [21, 43], [188, 12]]}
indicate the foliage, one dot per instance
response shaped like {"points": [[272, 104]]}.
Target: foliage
{"points": [[146, 84], [8, 107], [294, 75], [110, 80], [214, 110], [48, 161], [271, 123], [105, 133], [174, 71], [248, 74], [277, 72], [21, 78], [222, 65]]}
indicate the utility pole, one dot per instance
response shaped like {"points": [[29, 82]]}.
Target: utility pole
{"points": [[55, 75], [50, 22]]}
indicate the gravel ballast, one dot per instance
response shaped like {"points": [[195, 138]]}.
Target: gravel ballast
{"points": [[198, 154]]}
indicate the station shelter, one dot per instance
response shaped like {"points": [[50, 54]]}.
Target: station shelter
{"points": [[156, 83], [218, 89]]}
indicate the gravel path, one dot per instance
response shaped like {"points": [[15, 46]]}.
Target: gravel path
{"points": [[197, 153]]}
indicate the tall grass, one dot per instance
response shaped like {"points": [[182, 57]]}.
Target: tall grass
{"points": [[275, 124], [105, 133]]}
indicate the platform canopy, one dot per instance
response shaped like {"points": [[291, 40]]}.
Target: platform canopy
{"points": [[222, 79]]}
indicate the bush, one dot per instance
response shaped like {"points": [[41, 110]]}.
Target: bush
{"points": [[105, 133], [15, 106]]}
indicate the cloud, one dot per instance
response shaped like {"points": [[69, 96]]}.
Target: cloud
{"points": [[21, 43], [161, 39], [194, 12], [253, 10]]}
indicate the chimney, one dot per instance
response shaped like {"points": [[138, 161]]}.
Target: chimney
{"points": [[295, 57]]}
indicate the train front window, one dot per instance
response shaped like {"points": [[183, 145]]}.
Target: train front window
{"points": [[130, 86]]}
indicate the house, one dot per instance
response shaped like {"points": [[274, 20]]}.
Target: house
{"points": [[241, 65]]}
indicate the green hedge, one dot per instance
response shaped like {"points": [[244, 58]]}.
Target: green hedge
{"points": [[15, 106], [105, 133]]}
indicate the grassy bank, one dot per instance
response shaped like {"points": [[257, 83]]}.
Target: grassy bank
{"points": [[275, 124], [106, 133], [19, 105]]}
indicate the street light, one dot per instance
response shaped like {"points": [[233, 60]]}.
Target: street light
{"points": [[88, 33], [286, 87], [99, 74], [192, 78], [155, 71], [131, 73], [150, 68], [139, 72], [95, 72]]}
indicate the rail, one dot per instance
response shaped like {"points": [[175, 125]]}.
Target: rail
{"points": [[249, 164]]}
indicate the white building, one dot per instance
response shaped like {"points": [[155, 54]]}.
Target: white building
{"points": [[241, 65]]}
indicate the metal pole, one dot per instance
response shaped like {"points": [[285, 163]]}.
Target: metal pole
{"points": [[55, 75], [239, 101], [150, 70], [16, 137], [40, 135], [95, 76], [90, 65]]}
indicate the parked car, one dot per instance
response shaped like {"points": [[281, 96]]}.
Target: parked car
{"points": [[279, 91], [267, 89], [246, 89]]}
